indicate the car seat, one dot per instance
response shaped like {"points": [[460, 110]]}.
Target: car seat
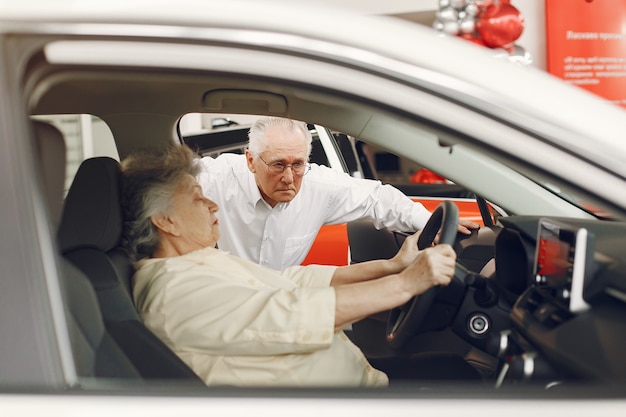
{"points": [[95, 353], [90, 236]]}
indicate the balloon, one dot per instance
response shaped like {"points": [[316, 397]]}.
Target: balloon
{"points": [[467, 25], [500, 25], [486, 3], [472, 10], [451, 27], [483, 4], [447, 14], [438, 25], [458, 4], [520, 56], [494, 24]]}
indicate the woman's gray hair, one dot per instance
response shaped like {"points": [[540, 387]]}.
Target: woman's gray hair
{"points": [[256, 135], [150, 180]]}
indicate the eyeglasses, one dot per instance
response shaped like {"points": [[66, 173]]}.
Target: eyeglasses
{"points": [[299, 168]]}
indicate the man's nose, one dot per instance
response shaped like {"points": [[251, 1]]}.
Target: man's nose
{"points": [[288, 175]]}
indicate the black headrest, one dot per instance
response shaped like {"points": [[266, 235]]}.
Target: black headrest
{"points": [[92, 215]]}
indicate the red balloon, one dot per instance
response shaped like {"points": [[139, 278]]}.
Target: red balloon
{"points": [[500, 25], [483, 4]]}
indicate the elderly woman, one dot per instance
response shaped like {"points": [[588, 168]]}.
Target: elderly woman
{"points": [[235, 322]]}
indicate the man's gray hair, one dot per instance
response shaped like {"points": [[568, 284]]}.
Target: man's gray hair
{"points": [[150, 180], [256, 135]]}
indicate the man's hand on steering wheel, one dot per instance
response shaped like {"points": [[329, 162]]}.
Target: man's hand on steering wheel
{"points": [[466, 226]]}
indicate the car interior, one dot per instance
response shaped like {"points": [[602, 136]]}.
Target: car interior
{"points": [[507, 314]]}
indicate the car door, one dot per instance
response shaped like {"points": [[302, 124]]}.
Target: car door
{"points": [[35, 350]]}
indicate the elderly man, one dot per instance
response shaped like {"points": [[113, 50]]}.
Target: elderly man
{"points": [[235, 322], [275, 201]]}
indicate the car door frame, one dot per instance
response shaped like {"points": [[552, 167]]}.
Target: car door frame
{"points": [[36, 349]]}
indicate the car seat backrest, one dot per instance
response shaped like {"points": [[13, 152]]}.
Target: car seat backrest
{"points": [[91, 228], [90, 236], [96, 354], [94, 351]]}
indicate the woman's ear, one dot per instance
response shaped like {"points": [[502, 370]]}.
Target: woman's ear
{"points": [[164, 223]]}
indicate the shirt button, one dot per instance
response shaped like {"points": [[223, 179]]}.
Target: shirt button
{"points": [[306, 337], [326, 335]]}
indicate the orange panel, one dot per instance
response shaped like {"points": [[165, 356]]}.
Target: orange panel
{"points": [[331, 244], [585, 43]]}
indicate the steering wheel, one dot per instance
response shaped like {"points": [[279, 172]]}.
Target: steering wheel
{"points": [[404, 321]]}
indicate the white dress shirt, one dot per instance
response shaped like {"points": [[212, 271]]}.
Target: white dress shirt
{"points": [[237, 323], [282, 236]]}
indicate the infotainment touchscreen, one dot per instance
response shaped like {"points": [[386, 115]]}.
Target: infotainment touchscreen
{"points": [[561, 260]]}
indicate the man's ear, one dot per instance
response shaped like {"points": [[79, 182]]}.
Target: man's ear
{"points": [[250, 161], [164, 223]]}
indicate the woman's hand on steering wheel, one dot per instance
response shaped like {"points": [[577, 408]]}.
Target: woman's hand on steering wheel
{"points": [[405, 321], [433, 267], [407, 254]]}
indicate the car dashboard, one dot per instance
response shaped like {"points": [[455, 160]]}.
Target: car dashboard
{"points": [[567, 282]]}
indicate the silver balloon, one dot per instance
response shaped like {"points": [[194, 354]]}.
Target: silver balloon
{"points": [[472, 9], [467, 25], [451, 27], [444, 3], [446, 14], [458, 4], [520, 56]]}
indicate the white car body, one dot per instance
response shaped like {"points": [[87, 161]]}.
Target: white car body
{"points": [[490, 108]]}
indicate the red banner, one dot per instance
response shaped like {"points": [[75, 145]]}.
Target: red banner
{"points": [[586, 45]]}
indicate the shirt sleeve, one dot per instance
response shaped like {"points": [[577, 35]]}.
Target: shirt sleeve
{"points": [[356, 198], [310, 275], [219, 316]]}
